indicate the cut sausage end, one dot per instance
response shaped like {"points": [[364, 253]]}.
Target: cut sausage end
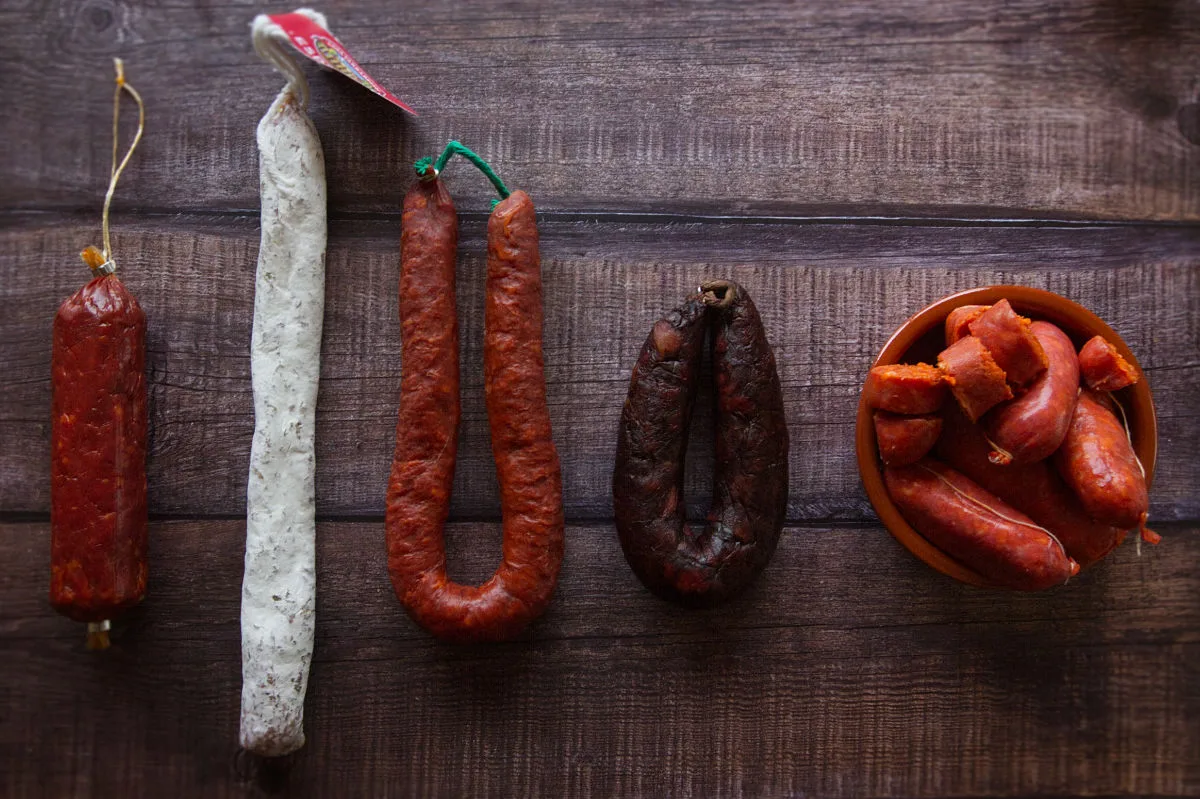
{"points": [[977, 381], [960, 319], [1103, 368], [1009, 340], [905, 439], [911, 389]]}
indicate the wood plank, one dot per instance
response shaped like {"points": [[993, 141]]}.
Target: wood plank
{"points": [[850, 669], [830, 295], [900, 107]]}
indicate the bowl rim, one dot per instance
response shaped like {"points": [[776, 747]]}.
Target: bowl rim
{"points": [[1028, 301]]}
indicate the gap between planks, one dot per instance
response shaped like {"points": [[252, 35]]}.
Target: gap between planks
{"points": [[911, 217]]}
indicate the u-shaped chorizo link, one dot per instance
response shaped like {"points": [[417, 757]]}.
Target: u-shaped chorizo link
{"points": [[427, 429], [750, 483]]}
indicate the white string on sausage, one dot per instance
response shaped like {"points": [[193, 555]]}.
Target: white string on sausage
{"points": [[994, 511]]}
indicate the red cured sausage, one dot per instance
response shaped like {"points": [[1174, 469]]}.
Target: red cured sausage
{"points": [[527, 464], [905, 439], [906, 388], [1035, 489], [959, 320], [98, 518], [1098, 463], [750, 483], [977, 528], [1032, 426], [1010, 342], [1103, 367], [977, 382]]}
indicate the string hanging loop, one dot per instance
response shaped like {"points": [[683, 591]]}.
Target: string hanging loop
{"points": [[102, 261]]}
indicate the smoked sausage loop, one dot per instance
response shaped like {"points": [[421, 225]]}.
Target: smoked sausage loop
{"points": [[749, 504], [527, 464], [98, 518]]}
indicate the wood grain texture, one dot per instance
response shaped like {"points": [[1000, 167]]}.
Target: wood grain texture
{"points": [[829, 295], [1079, 108], [848, 670]]}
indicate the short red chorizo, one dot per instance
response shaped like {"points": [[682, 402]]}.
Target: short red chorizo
{"points": [[905, 439], [750, 484], [1103, 367], [527, 464], [1097, 461], [98, 519]]}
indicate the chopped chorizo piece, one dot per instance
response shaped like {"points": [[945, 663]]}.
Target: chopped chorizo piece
{"points": [[977, 381], [1011, 343], [906, 388], [1103, 367], [905, 439], [959, 320]]}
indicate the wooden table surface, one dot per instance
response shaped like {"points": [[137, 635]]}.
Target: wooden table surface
{"points": [[847, 162]]}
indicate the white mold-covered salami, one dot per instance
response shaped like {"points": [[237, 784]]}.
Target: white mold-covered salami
{"points": [[279, 588]]}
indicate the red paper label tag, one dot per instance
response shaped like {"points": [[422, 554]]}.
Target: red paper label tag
{"points": [[320, 45]]}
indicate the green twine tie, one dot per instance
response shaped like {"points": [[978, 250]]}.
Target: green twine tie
{"points": [[423, 166]]}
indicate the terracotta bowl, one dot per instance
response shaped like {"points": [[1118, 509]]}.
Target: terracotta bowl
{"points": [[922, 337]]}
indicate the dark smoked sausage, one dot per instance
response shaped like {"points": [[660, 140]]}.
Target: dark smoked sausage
{"points": [[98, 519], [750, 484], [527, 464]]}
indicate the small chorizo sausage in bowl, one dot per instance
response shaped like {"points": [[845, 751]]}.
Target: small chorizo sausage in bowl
{"points": [[1006, 436]]}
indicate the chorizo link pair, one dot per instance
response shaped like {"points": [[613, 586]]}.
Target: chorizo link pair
{"points": [[750, 484], [427, 429]]}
